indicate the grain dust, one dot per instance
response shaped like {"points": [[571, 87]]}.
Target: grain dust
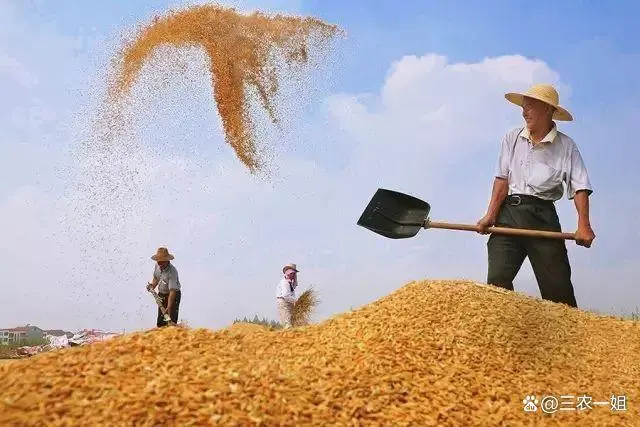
{"points": [[435, 353], [245, 51]]}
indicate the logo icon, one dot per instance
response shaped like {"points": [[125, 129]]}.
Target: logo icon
{"points": [[530, 403]]}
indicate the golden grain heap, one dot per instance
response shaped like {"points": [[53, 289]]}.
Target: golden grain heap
{"points": [[246, 51], [429, 354]]}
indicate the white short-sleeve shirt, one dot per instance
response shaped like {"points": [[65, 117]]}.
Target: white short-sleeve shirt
{"points": [[167, 279], [541, 169], [285, 290]]}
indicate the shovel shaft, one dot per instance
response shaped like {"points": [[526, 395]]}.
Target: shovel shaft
{"points": [[501, 230], [156, 297]]}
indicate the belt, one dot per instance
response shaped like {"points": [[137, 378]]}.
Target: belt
{"points": [[162, 294], [520, 199]]}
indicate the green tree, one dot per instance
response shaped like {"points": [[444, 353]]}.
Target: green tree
{"points": [[273, 324]]}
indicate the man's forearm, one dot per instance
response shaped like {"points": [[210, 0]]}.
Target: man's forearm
{"points": [[581, 200], [498, 194], [171, 301]]}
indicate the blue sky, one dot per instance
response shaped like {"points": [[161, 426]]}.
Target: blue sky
{"points": [[379, 94], [469, 31]]}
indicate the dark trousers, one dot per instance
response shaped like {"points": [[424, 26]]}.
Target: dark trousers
{"points": [[548, 257], [174, 313]]}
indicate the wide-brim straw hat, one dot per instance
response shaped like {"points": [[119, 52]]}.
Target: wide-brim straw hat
{"points": [[545, 93], [162, 254], [290, 266]]}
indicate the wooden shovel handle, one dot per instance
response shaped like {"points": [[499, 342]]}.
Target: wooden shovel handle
{"points": [[164, 312], [501, 230]]}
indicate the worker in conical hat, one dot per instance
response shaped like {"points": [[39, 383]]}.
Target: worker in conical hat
{"points": [[535, 161], [165, 276]]}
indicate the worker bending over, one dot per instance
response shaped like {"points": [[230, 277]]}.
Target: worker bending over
{"points": [[165, 276]]}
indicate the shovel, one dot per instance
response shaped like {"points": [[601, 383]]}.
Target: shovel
{"points": [[399, 216], [156, 297]]}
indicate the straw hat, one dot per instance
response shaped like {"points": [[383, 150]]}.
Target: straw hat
{"points": [[162, 254], [290, 266], [545, 93]]}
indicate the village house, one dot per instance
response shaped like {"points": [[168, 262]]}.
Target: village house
{"points": [[22, 334]]}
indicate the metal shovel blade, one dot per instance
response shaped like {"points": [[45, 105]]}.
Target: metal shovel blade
{"points": [[394, 215]]}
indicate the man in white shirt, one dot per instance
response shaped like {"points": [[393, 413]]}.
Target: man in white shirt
{"points": [[286, 293], [534, 162], [165, 276]]}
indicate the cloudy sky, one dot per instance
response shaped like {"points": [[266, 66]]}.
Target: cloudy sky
{"points": [[411, 100]]}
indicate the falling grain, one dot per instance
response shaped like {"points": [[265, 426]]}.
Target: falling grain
{"points": [[430, 354], [245, 51], [303, 308]]}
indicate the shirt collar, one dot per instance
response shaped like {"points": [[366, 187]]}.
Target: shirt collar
{"points": [[550, 137]]}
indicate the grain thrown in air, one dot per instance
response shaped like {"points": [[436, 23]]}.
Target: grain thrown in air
{"points": [[245, 51]]}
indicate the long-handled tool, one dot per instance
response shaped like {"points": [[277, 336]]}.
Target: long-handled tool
{"points": [[158, 300], [400, 216]]}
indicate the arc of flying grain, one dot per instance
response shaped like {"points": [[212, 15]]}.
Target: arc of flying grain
{"points": [[242, 49]]}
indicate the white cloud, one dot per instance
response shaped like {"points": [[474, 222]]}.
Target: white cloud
{"points": [[431, 131]]}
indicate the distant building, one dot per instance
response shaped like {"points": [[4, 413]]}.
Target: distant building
{"points": [[14, 335], [21, 334]]}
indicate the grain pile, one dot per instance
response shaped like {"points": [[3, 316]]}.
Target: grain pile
{"points": [[430, 354], [243, 328], [246, 51]]}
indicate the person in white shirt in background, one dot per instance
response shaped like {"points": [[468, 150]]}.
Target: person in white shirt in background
{"points": [[286, 293]]}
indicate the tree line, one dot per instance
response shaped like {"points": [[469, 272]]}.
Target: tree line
{"points": [[260, 321]]}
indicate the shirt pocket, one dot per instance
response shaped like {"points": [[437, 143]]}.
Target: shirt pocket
{"points": [[544, 178]]}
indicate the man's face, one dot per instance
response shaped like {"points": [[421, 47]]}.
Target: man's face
{"points": [[163, 264], [536, 113], [290, 274]]}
